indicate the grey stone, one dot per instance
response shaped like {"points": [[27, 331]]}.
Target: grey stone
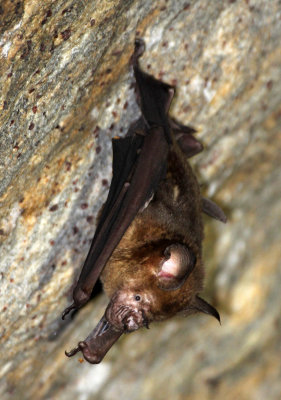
{"points": [[66, 90]]}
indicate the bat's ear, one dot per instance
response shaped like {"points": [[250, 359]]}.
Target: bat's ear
{"points": [[201, 305], [175, 267]]}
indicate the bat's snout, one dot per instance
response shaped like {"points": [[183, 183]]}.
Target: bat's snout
{"points": [[128, 310]]}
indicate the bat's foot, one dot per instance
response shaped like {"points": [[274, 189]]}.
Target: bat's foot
{"points": [[139, 50], [139, 47], [67, 310]]}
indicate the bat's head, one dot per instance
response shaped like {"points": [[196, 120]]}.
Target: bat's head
{"points": [[135, 303], [129, 309], [166, 283]]}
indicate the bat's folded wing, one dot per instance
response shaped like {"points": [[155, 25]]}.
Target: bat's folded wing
{"points": [[125, 154], [139, 163]]}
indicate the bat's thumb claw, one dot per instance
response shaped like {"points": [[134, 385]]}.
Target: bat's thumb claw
{"points": [[72, 352], [67, 310]]}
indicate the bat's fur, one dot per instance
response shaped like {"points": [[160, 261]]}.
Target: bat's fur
{"points": [[173, 215], [147, 249]]}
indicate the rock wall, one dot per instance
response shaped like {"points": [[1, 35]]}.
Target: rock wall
{"points": [[66, 89]]}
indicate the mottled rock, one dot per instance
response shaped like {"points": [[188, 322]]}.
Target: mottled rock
{"points": [[66, 89]]}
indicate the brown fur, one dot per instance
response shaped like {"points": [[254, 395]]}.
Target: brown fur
{"points": [[156, 269], [173, 216]]}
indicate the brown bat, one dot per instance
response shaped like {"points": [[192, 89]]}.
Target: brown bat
{"points": [[147, 247]]}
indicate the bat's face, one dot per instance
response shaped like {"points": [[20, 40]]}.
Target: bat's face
{"points": [[129, 309], [152, 297]]}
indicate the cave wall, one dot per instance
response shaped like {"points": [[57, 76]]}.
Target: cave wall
{"points": [[66, 90]]}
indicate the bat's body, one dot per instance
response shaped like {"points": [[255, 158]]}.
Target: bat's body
{"points": [[147, 246], [172, 216]]}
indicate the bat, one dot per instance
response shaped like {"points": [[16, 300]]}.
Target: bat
{"points": [[147, 248]]}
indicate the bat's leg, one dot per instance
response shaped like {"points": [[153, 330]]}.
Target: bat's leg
{"points": [[137, 127], [180, 128], [213, 210], [153, 96], [191, 146], [188, 144], [139, 50], [184, 136]]}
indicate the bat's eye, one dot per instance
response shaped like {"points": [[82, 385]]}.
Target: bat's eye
{"points": [[137, 297]]}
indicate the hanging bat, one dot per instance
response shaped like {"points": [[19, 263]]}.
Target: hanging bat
{"points": [[147, 248]]}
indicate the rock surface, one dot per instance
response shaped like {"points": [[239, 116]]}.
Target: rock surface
{"points": [[66, 89]]}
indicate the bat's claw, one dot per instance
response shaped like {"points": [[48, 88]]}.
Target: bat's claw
{"points": [[90, 356], [139, 50], [73, 351], [139, 47], [67, 310]]}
